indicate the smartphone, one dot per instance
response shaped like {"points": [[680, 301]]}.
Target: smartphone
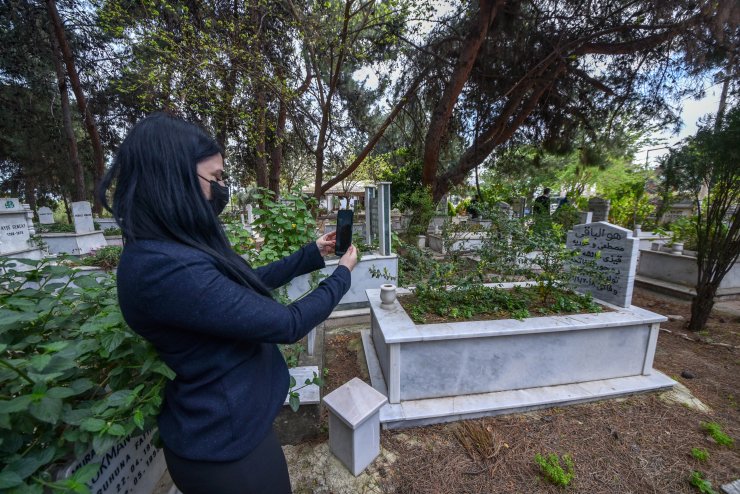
{"points": [[344, 231]]}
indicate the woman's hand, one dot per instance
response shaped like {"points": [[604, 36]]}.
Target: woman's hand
{"points": [[349, 259], [326, 243]]}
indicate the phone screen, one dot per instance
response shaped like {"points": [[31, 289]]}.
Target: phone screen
{"points": [[344, 231]]}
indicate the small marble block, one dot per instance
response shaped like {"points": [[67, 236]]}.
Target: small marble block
{"points": [[354, 423]]}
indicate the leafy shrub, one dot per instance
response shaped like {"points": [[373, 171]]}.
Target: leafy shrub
{"points": [[715, 430], [55, 228], [105, 257], [553, 471], [286, 225], [109, 232], [420, 203], [73, 376]]}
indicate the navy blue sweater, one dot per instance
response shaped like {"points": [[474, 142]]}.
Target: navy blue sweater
{"points": [[220, 339]]}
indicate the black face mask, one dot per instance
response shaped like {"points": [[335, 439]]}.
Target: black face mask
{"points": [[219, 196]]}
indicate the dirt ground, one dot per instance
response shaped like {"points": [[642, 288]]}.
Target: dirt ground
{"points": [[640, 444]]}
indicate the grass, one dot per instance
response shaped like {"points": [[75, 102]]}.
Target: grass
{"points": [[715, 431], [553, 471]]}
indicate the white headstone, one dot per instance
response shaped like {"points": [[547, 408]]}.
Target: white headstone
{"points": [[14, 229], [613, 251], [82, 216], [250, 214], [46, 216], [134, 466]]}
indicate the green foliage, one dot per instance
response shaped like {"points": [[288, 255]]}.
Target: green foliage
{"points": [[629, 209], [291, 353], [105, 257], [700, 454], [684, 230], [55, 228], [698, 481], [567, 216], [553, 471], [73, 376], [285, 225], [110, 232], [715, 430], [240, 239], [294, 399], [421, 205], [451, 209]]}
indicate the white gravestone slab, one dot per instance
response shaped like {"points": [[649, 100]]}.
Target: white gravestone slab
{"points": [[46, 216], [82, 216], [613, 250], [14, 228], [133, 466]]}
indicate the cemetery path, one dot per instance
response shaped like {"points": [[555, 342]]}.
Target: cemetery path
{"points": [[635, 445]]}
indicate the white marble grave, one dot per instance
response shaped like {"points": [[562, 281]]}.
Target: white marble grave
{"points": [[133, 466], [16, 231], [46, 216], [82, 217], [449, 371], [613, 251]]}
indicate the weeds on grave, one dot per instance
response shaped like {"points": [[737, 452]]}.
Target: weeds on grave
{"points": [[715, 431], [700, 454], [294, 399], [105, 257], [703, 485], [553, 471]]}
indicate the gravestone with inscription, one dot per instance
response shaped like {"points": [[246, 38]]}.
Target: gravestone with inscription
{"points": [[133, 466], [82, 216], [611, 251], [14, 227], [46, 216], [600, 208]]}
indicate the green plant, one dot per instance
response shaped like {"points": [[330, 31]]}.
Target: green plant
{"points": [[240, 238], [55, 228], [294, 399], [285, 225], [109, 232], [291, 353], [73, 376], [700, 454], [715, 430], [105, 257], [553, 471], [698, 481]]}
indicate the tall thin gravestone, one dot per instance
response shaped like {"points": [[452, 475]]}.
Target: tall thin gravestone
{"points": [[384, 218], [610, 249], [369, 213], [82, 216]]}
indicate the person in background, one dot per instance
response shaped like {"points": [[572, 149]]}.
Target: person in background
{"points": [[563, 201], [207, 312], [542, 203]]}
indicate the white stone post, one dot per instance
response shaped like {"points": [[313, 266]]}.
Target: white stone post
{"points": [[354, 424]]}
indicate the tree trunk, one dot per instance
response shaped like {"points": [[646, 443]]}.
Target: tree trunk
{"points": [[78, 192], [30, 186], [99, 165], [276, 157], [701, 306], [443, 111], [261, 163]]}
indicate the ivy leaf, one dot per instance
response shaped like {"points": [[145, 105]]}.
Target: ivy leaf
{"points": [[29, 464], [9, 478], [93, 425], [139, 419], [117, 430], [112, 340], [47, 409], [118, 398], [16, 404], [59, 392], [294, 401], [86, 473], [104, 443]]}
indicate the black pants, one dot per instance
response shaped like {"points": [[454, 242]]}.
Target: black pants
{"points": [[264, 470]]}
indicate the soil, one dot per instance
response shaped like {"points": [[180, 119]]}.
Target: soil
{"points": [[640, 444]]}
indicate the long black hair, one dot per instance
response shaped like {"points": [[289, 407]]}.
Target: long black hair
{"points": [[157, 194]]}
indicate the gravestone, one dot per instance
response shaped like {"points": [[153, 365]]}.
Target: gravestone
{"points": [[133, 466], [517, 205], [610, 249], [682, 209], [600, 208], [82, 216], [585, 217], [504, 207], [46, 216], [14, 227]]}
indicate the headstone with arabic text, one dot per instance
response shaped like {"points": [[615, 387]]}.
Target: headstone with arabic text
{"points": [[610, 250]]}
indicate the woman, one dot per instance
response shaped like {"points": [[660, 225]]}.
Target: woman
{"points": [[207, 312]]}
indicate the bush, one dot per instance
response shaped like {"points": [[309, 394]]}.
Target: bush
{"points": [[554, 473], [106, 257], [55, 228], [73, 375]]}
